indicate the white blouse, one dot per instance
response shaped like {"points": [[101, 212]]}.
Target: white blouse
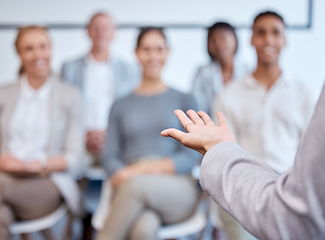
{"points": [[29, 127], [98, 93]]}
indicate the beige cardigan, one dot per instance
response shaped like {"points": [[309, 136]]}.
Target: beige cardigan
{"points": [[66, 132]]}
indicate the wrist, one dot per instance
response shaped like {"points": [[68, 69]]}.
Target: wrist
{"points": [[208, 146]]}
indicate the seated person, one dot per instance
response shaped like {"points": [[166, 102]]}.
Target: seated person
{"points": [[101, 78], [268, 110], [210, 79], [150, 176], [41, 136]]}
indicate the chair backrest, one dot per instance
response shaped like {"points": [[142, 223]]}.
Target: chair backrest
{"points": [[102, 210]]}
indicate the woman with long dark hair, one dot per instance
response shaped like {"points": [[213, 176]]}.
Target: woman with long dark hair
{"points": [[209, 81], [150, 176]]}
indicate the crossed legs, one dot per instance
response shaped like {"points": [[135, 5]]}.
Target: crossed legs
{"points": [[24, 199], [142, 204]]}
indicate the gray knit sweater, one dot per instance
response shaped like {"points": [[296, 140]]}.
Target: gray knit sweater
{"points": [[134, 130]]}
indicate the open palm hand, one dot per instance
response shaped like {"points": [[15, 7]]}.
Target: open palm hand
{"points": [[202, 133]]}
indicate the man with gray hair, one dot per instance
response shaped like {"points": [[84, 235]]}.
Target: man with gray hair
{"points": [[102, 78]]}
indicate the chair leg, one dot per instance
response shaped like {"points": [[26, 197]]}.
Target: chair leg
{"points": [[67, 235], [87, 228], [25, 236], [47, 234]]}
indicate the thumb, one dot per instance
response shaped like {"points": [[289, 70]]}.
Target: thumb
{"points": [[174, 133], [222, 120]]}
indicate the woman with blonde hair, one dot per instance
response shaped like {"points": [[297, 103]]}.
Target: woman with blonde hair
{"points": [[41, 136]]}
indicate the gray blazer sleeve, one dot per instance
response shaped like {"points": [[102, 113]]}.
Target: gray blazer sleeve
{"points": [[290, 206], [127, 78], [73, 72], [67, 72]]}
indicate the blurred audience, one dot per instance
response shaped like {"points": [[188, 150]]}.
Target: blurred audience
{"points": [[209, 81], [102, 78], [268, 110], [147, 172], [40, 136], [42, 125]]}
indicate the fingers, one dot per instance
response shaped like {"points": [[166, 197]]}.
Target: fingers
{"points": [[182, 117], [222, 120], [185, 121], [194, 117], [164, 133], [206, 119], [174, 133]]}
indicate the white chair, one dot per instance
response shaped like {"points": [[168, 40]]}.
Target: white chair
{"points": [[42, 224], [194, 224], [102, 209]]}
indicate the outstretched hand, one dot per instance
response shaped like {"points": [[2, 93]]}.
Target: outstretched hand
{"points": [[202, 132]]}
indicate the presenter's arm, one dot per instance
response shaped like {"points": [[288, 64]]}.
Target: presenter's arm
{"points": [[290, 206]]}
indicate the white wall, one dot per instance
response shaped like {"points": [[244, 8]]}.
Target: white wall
{"points": [[303, 57]]}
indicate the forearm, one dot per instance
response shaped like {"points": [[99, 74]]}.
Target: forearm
{"points": [[162, 166], [56, 164], [165, 166]]}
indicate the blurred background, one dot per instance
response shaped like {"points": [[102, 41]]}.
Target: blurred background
{"points": [[185, 22]]}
